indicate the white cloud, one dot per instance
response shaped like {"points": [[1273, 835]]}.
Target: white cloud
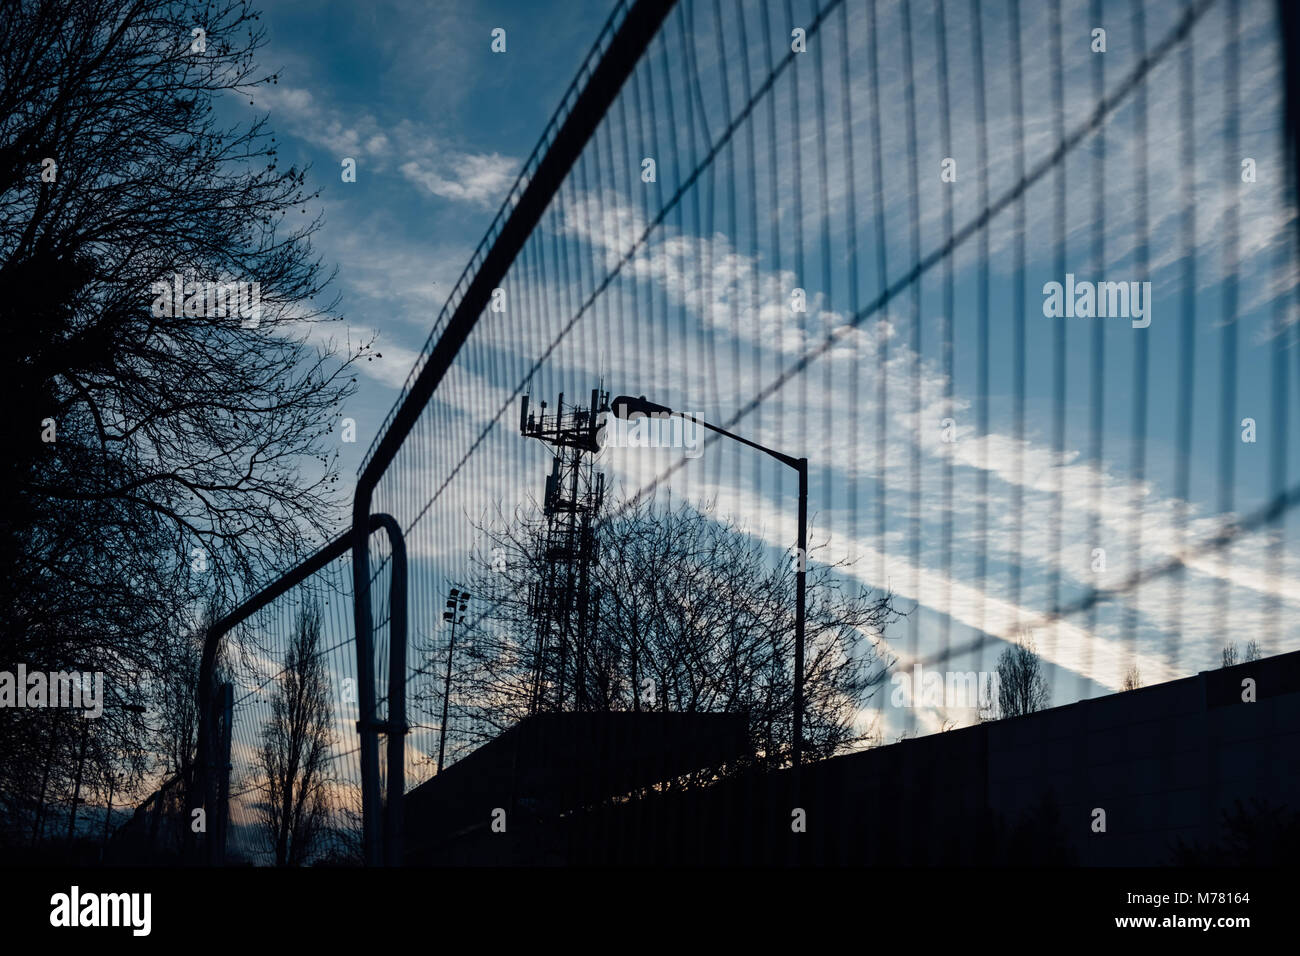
{"points": [[482, 179], [476, 178]]}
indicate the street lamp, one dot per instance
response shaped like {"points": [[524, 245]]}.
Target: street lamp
{"points": [[627, 407], [457, 601]]}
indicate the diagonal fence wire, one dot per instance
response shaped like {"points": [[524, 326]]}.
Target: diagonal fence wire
{"points": [[759, 232]]}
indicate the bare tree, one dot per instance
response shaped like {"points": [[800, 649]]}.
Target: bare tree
{"points": [[1021, 686], [1230, 657], [295, 748], [690, 614], [1132, 678], [165, 440]]}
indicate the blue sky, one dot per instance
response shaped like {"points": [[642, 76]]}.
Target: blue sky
{"points": [[439, 127], [700, 316]]}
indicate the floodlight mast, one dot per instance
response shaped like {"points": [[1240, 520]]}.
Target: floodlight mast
{"points": [[457, 601]]}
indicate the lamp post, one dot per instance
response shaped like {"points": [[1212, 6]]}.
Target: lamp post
{"points": [[627, 407], [457, 601]]}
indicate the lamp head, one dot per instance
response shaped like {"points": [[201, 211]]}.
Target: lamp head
{"points": [[625, 406]]}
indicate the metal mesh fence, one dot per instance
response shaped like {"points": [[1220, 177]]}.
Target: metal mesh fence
{"points": [[266, 730], [844, 250], [1016, 279]]}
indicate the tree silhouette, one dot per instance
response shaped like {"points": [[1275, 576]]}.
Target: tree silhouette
{"points": [[295, 748], [690, 614], [157, 452], [1132, 678], [1021, 686]]}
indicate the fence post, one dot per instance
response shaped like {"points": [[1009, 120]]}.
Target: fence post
{"points": [[396, 723], [367, 732], [202, 789], [218, 840], [197, 792]]}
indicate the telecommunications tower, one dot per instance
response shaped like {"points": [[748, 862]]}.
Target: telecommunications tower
{"points": [[562, 602]]}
